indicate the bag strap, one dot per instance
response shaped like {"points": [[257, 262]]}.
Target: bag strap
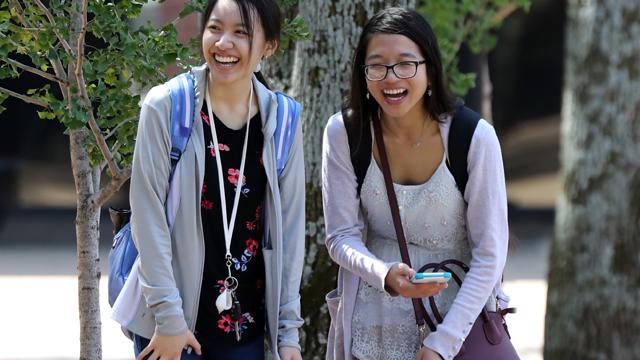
{"points": [[435, 267], [182, 91], [288, 115], [418, 308], [183, 100]]}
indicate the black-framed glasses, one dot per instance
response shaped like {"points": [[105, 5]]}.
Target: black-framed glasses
{"points": [[402, 70]]}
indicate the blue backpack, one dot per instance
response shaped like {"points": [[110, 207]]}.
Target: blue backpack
{"points": [[123, 252]]}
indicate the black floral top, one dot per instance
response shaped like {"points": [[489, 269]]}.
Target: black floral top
{"points": [[212, 328]]}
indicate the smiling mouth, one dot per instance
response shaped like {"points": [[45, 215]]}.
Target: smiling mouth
{"points": [[226, 60], [394, 95]]}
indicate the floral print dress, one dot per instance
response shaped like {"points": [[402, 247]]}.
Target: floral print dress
{"points": [[213, 329]]}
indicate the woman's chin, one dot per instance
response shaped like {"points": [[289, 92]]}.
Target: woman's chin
{"points": [[225, 74]]}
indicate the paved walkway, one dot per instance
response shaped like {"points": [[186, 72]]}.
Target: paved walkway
{"points": [[39, 306]]}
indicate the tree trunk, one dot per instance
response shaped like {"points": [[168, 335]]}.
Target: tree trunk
{"points": [[87, 182], [320, 79], [486, 87], [593, 310]]}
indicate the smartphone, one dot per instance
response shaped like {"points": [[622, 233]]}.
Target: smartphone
{"points": [[440, 277]]}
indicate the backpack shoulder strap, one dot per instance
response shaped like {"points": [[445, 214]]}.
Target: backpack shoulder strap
{"points": [[360, 142], [463, 126], [288, 115], [183, 103]]}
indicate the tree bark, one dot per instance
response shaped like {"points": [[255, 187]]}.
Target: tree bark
{"points": [[87, 182], [593, 310], [320, 79]]}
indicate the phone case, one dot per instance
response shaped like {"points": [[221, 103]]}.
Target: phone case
{"points": [[439, 279]]}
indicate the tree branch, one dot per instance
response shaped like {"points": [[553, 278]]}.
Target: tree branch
{"points": [[25, 98], [54, 27], [23, 21], [113, 131], [114, 185], [102, 144], [10, 41], [503, 13], [116, 147], [93, 125], [80, 46], [33, 70], [60, 72]]}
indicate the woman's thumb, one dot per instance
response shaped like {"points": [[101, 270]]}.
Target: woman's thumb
{"points": [[405, 270]]}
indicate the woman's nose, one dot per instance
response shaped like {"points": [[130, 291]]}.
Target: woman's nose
{"points": [[224, 42]]}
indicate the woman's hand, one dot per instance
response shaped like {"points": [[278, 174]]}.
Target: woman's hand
{"points": [[427, 354], [289, 353], [169, 347], [398, 280]]}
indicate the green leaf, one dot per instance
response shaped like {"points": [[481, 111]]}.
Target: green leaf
{"points": [[3, 97]]}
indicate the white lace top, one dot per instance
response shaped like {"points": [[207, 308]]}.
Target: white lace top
{"points": [[433, 218]]}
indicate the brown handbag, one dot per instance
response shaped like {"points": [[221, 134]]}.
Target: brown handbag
{"points": [[489, 337]]}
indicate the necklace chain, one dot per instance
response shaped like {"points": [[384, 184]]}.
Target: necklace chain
{"points": [[415, 144]]}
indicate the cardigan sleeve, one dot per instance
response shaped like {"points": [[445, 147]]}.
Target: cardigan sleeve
{"points": [[488, 233], [292, 197], [148, 193], [344, 222]]}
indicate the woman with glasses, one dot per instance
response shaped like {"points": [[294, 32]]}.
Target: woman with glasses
{"points": [[397, 80]]}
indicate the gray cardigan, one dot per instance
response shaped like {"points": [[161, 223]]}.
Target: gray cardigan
{"points": [[171, 263]]}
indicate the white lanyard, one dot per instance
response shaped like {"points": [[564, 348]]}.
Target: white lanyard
{"points": [[228, 227]]}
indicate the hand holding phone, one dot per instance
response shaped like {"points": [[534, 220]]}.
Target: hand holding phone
{"points": [[440, 277]]}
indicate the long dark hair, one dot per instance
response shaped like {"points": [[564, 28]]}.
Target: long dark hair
{"points": [[267, 11], [397, 21]]}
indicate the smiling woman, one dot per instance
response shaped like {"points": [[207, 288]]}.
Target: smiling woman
{"points": [[397, 85], [212, 279]]}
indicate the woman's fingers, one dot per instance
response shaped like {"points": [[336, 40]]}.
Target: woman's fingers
{"points": [[422, 290], [195, 345], [146, 351]]}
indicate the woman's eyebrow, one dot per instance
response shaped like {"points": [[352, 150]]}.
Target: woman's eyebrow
{"points": [[377, 56]]}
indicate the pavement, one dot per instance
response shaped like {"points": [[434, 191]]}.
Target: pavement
{"points": [[38, 283]]}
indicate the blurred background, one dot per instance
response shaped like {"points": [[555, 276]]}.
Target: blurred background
{"points": [[37, 208]]}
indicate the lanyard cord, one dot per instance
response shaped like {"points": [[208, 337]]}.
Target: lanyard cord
{"points": [[228, 227]]}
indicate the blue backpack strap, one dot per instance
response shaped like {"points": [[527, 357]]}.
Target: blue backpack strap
{"points": [[183, 100], [288, 116]]}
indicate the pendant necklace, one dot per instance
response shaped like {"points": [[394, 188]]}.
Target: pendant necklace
{"points": [[228, 299], [418, 143]]}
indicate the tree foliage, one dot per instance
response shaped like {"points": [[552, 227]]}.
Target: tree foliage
{"points": [[118, 61], [471, 22]]}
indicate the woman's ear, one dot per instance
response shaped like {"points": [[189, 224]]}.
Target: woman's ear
{"points": [[270, 49]]}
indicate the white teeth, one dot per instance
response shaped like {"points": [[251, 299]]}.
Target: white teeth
{"points": [[226, 59], [394, 91]]}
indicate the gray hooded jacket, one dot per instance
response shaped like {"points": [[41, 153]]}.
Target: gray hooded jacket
{"points": [[171, 262]]}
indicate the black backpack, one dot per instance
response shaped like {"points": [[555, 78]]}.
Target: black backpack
{"points": [[463, 126]]}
